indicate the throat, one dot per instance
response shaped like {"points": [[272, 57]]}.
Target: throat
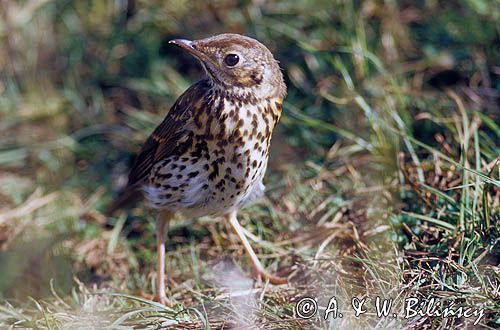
{"points": [[235, 115], [237, 95], [247, 119]]}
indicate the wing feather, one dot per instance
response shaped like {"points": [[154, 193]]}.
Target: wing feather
{"points": [[166, 137]]}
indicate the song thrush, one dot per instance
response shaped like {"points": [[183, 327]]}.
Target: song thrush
{"points": [[209, 155]]}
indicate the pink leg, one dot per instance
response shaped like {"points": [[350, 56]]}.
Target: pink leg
{"points": [[257, 267], [161, 228]]}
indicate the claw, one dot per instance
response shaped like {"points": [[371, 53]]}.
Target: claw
{"points": [[164, 301], [273, 279]]}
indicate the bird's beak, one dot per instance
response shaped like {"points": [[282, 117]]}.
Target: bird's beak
{"points": [[189, 46]]}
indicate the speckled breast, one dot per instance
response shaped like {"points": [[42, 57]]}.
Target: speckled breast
{"points": [[224, 158]]}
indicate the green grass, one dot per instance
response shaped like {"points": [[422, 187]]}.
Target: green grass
{"points": [[383, 178]]}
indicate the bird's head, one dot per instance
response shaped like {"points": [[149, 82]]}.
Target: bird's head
{"points": [[238, 64]]}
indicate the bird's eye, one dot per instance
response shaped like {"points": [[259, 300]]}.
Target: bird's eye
{"points": [[231, 59]]}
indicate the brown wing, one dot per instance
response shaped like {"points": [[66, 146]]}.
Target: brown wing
{"points": [[161, 143], [164, 139]]}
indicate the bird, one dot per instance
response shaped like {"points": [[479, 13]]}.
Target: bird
{"points": [[209, 154]]}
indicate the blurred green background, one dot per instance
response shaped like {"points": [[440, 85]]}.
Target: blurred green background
{"points": [[380, 93]]}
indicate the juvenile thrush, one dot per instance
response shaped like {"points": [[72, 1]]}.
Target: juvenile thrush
{"points": [[209, 155]]}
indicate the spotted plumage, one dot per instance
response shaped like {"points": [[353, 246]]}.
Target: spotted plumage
{"points": [[209, 155], [221, 163]]}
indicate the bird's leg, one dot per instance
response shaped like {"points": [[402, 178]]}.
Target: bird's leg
{"points": [[257, 267], [161, 228]]}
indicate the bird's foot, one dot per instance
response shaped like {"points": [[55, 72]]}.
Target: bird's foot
{"points": [[162, 299], [262, 274]]}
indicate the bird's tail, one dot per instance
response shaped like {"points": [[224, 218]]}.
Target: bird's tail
{"points": [[128, 197]]}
